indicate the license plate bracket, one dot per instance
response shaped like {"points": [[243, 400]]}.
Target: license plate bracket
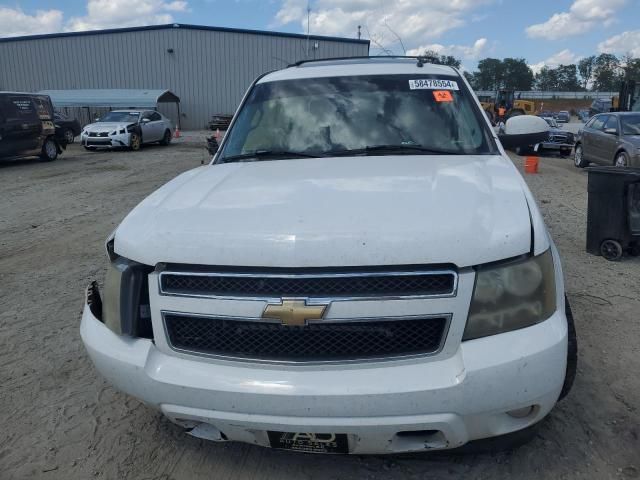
{"points": [[310, 442]]}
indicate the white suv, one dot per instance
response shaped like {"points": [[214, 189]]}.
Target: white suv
{"points": [[361, 269]]}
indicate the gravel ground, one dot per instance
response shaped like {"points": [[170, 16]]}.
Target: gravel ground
{"points": [[60, 420]]}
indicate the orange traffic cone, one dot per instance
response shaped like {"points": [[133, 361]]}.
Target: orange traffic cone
{"points": [[176, 134]]}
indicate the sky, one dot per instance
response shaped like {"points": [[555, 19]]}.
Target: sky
{"points": [[544, 32]]}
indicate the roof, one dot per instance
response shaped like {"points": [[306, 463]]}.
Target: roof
{"points": [[114, 98], [185, 27], [332, 67]]}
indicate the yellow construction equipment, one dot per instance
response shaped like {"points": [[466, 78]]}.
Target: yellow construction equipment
{"points": [[506, 99]]}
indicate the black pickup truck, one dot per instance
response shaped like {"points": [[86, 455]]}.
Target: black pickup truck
{"points": [[27, 127]]}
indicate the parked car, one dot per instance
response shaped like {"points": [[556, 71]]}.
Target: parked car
{"points": [[70, 126], [610, 139], [342, 283], [563, 117], [127, 128], [27, 128], [559, 140], [220, 121], [600, 105], [583, 115]]}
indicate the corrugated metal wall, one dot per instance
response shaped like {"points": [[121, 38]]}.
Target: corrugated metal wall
{"points": [[209, 70]]}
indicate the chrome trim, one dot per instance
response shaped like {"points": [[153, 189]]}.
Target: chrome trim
{"points": [[445, 334], [312, 300]]}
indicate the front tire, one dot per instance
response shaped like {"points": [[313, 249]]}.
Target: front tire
{"points": [[578, 158], [621, 160], [49, 150], [69, 137], [135, 142], [572, 351], [166, 140]]}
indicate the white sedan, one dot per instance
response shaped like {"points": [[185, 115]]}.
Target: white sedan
{"points": [[127, 128]]}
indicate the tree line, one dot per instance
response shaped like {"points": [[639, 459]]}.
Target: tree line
{"points": [[602, 73]]}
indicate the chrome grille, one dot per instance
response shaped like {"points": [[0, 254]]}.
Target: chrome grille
{"points": [[315, 342], [325, 285]]}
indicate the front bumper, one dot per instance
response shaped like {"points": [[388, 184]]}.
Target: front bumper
{"points": [[556, 146], [444, 403], [111, 141]]}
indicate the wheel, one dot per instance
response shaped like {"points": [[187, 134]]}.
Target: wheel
{"points": [[578, 158], [166, 140], [611, 250], [135, 142], [89, 148], [69, 137], [572, 351], [622, 160], [49, 151]]}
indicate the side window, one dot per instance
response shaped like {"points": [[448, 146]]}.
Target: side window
{"points": [[598, 122], [21, 109], [155, 116], [612, 122]]}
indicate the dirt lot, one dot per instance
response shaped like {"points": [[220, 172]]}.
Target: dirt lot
{"points": [[61, 421]]}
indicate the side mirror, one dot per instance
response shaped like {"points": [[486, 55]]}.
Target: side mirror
{"points": [[611, 131], [524, 131], [146, 120]]}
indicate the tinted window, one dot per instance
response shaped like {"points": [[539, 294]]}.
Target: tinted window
{"points": [[120, 117], [21, 108], [598, 122], [612, 122], [324, 115], [155, 116], [630, 124]]}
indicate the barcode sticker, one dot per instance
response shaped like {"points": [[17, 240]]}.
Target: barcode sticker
{"points": [[433, 84]]}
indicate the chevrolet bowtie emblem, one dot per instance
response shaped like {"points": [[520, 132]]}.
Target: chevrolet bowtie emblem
{"points": [[294, 313]]}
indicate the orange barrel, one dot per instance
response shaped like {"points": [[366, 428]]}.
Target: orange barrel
{"points": [[531, 164]]}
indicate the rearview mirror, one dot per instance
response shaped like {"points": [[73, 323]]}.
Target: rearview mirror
{"points": [[523, 131], [611, 131]]}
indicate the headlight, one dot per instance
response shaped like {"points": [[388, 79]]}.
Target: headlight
{"points": [[125, 306], [512, 296]]}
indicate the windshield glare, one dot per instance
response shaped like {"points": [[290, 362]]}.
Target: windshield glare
{"points": [[120, 117], [630, 124], [338, 114]]}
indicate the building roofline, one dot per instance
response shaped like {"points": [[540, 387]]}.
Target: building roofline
{"points": [[182, 26]]}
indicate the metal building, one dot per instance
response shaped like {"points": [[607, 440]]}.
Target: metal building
{"points": [[209, 68]]}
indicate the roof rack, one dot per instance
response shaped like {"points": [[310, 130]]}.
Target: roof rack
{"points": [[419, 59]]}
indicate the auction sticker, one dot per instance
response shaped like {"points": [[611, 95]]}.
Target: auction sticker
{"points": [[433, 84]]}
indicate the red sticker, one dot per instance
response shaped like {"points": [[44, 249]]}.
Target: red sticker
{"points": [[443, 96]]}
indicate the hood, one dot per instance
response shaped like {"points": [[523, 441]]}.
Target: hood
{"points": [[106, 126], [362, 211]]}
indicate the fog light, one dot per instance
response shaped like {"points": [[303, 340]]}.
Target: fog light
{"points": [[521, 412]]}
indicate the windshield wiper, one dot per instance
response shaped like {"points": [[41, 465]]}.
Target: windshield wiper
{"points": [[267, 154], [406, 149]]}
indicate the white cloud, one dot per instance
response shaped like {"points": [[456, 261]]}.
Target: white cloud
{"points": [[14, 22], [626, 42], [125, 13], [414, 21], [564, 57], [583, 15], [466, 52]]}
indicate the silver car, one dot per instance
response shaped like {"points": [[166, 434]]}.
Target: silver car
{"points": [[127, 128], [610, 139]]}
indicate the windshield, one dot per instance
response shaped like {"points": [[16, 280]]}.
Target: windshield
{"points": [[360, 114], [120, 117], [630, 124]]}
